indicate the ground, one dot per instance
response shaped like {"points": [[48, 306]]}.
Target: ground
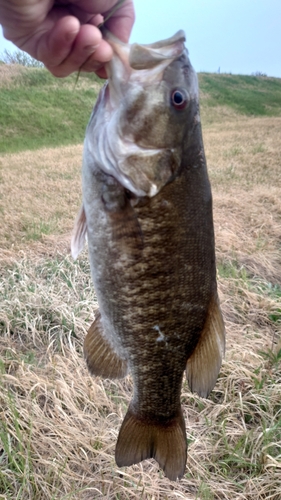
{"points": [[59, 425]]}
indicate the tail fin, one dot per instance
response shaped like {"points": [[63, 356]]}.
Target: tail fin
{"points": [[166, 442]]}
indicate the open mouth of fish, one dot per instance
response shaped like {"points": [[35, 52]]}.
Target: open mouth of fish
{"points": [[116, 149], [151, 59]]}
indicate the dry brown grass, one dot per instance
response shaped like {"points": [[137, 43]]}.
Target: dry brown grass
{"points": [[39, 194], [58, 425], [8, 73]]}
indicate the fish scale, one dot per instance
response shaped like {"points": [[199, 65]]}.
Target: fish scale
{"points": [[147, 212]]}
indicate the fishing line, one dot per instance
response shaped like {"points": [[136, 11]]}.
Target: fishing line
{"points": [[100, 26]]}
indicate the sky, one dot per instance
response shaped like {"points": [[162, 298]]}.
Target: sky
{"points": [[230, 36]]}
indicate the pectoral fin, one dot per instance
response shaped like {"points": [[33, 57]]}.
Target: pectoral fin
{"points": [[100, 357], [79, 233], [204, 364]]}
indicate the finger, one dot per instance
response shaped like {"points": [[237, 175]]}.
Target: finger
{"points": [[122, 21], [101, 73], [88, 52], [96, 6], [85, 10], [68, 40], [96, 62]]}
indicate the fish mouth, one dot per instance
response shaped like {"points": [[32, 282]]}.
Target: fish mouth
{"points": [[151, 55], [133, 69], [140, 63], [145, 56]]}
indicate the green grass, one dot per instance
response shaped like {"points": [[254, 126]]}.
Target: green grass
{"points": [[16, 455], [58, 425], [231, 269], [38, 110], [249, 95], [34, 230]]}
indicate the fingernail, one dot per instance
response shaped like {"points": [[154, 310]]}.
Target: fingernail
{"points": [[96, 65], [91, 48], [91, 65], [71, 35]]}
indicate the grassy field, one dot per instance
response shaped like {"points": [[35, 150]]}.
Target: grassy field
{"points": [[39, 110], [58, 425]]}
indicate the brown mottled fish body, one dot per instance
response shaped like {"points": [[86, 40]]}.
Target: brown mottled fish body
{"points": [[147, 211]]}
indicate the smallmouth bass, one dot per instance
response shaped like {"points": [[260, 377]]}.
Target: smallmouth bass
{"points": [[147, 213]]}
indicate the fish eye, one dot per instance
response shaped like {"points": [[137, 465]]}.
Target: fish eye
{"points": [[178, 99]]}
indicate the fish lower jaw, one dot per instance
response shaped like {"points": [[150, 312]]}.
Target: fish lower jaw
{"points": [[138, 169]]}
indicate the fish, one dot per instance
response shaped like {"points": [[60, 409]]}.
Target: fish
{"points": [[148, 218]]}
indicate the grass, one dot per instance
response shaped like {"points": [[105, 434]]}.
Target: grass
{"points": [[41, 201], [38, 110], [59, 425], [249, 95]]}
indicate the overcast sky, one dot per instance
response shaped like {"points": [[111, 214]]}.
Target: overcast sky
{"points": [[237, 36]]}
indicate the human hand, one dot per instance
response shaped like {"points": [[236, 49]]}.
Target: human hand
{"points": [[63, 34]]}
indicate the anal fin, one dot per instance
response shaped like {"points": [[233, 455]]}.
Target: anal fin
{"points": [[100, 357], [204, 364], [166, 442]]}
